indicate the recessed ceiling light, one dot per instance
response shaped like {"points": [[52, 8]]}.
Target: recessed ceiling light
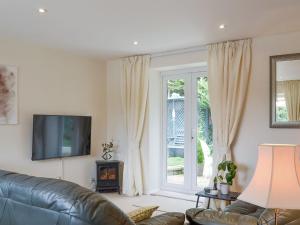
{"points": [[42, 11], [222, 26], [135, 42]]}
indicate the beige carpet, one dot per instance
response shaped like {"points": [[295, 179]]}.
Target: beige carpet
{"points": [[167, 204]]}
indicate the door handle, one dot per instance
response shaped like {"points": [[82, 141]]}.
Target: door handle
{"points": [[194, 133]]}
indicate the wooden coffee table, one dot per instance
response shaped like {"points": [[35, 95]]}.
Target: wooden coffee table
{"points": [[232, 196]]}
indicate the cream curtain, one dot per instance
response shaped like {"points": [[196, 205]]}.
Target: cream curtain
{"points": [[135, 82], [229, 69], [291, 89]]}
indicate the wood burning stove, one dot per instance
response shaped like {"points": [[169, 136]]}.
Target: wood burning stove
{"points": [[109, 176]]}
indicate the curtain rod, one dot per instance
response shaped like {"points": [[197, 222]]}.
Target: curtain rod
{"points": [[179, 51], [174, 52], [198, 48]]}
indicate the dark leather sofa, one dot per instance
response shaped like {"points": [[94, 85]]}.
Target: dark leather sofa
{"points": [[27, 200], [241, 213]]}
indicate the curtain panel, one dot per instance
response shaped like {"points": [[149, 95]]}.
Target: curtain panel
{"points": [[291, 89], [135, 88], [229, 70]]}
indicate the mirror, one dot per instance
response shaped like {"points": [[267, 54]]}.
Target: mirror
{"points": [[285, 91]]}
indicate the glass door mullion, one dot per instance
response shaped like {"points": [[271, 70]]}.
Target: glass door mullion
{"points": [[194, 131], [188, 134]]}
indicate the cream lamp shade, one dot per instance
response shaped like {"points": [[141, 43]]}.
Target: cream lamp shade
{"points": [[275, 183]]}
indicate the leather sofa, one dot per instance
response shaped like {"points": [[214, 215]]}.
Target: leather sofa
{"points": [[241, 213], [27, 200]]}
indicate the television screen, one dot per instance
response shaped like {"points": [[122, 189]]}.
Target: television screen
{"points": [[60, 136]]}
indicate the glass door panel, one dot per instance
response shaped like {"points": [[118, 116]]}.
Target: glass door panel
{"points": [[175, 131], [204, 134], [187, 131]]}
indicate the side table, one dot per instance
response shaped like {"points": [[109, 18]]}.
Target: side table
{"points": [[232, 196]]}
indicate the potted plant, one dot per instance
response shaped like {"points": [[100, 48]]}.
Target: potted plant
{"points": [[226, 174]]}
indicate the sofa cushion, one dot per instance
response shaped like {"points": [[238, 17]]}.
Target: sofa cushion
{"points": [[165, 219], [212, 217], [245, 208], [242, 213], [142, 213]]}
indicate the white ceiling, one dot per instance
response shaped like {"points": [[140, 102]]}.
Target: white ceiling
{"points": [[107, 28]]}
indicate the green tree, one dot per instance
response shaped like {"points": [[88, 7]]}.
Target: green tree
{"points": [[282, 113], [200, 155], [176, 86], [204, 120], [203, 92]]}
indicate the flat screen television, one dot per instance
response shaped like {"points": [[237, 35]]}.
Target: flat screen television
{"points": [[57, 136]]}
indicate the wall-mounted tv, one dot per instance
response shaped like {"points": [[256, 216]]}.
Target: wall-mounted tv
{"points": [[56, 136]]}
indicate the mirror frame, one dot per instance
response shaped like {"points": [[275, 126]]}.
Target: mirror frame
{"points": [[273, 74]]}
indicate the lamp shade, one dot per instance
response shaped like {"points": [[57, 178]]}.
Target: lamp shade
{"points": [[275, 183]]}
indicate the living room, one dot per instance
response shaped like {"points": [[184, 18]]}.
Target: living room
{"points": [[177, 88]]}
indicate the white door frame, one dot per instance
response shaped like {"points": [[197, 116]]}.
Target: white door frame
{"points": [[189, 76]]}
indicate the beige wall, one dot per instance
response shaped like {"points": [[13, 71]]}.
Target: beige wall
{"points": [[255, 124], [52, 82]]}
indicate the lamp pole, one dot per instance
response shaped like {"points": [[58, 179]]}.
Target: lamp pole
{"points": [[276, 212]]}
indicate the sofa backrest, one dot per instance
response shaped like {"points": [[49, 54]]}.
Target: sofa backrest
{"points": [[27, 200]]}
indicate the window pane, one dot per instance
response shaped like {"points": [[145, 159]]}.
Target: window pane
{"points": [[204, 134], [175, 131]]}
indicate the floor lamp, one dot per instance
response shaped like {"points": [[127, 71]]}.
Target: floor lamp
{"points": [[275, 184]]}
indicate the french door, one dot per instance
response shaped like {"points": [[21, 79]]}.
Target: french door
{"points": [[187, 130]]}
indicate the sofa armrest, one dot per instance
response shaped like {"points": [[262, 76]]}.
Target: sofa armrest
{"points": [[295, 222], [165, 219], [213, 217]]}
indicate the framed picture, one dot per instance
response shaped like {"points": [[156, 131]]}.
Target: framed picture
{"points": [[8, 95]]}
